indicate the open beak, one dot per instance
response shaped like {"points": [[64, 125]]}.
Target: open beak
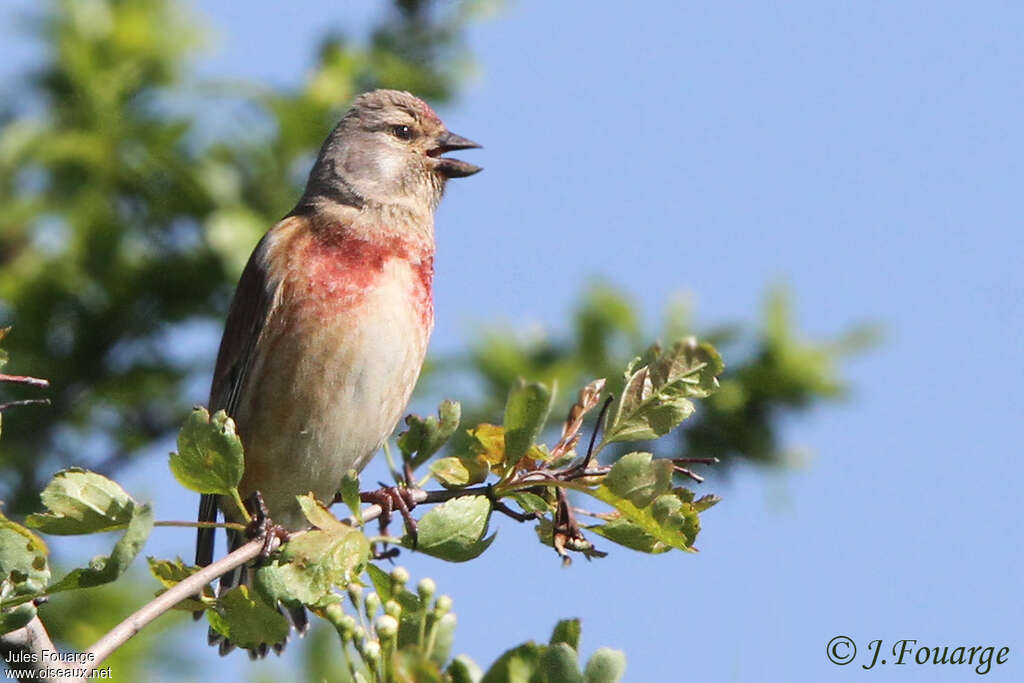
{"points": [[453, 168]]}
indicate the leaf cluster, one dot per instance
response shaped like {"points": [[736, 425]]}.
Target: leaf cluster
{"points": [[774, 370]]}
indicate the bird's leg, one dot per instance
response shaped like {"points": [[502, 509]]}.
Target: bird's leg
{"points": [[391, 498], [263, 527]]}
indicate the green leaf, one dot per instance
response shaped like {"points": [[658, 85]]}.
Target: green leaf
{"points": [[102, 569], [558, 664], [81, 502], [638, 478], [455, 472], [639, 489], [24, 570], [411, 665], [317, 514], [605, 666], [696, 365], [13, 618], [488, 441], [655, 397], [462, 669], [349, 490], [455, 530], [311, 565], [526, 411], [246, 620], [426, 436], [517, 665], [170, 572], [705, 502], [381, 581], [567, 631], [630, 535], [209, 457], [531, 502]]}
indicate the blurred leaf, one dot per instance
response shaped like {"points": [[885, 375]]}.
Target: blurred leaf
{"points": [[462, 669], [705, 502], [567, 631], [13, 618], [209, 457], [82, 502], [517, 665], [106, 569], [410, 665], [558, 664], [526, 411], [455, 530], [24, 571]]}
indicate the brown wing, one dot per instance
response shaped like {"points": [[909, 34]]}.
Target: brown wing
{"points": [[250, 307]]}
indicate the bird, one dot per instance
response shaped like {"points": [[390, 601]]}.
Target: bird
{"points": [[327, 331]]}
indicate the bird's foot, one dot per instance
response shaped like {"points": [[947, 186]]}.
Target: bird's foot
{"points": [[390, 498], [263, 527]]}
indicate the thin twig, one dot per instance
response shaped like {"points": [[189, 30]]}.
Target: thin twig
{"points": [[597, 428], [22, 379], [120, 634], [25, 402]]}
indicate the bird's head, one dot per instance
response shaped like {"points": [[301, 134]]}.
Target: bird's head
{"points": [[388, 149]]}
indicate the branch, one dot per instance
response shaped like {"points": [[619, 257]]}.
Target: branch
{"points": [[193, 585], [32, 639], [120, 634]]}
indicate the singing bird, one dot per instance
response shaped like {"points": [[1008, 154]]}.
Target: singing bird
{"points": [[327, 331]]}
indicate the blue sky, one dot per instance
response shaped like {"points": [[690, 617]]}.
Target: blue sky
{"points": [[868, 154]]}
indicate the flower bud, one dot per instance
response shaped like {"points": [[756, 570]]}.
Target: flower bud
{"points": [[426, 589], [372, 604], [387, 626], [393, 609], [443, 604], [346, 625], [400, 577]]}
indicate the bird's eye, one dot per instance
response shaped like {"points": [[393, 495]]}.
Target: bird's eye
{"points": [[402, 132]]}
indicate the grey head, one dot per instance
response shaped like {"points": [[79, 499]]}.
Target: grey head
{"points": [[387, 150]]}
